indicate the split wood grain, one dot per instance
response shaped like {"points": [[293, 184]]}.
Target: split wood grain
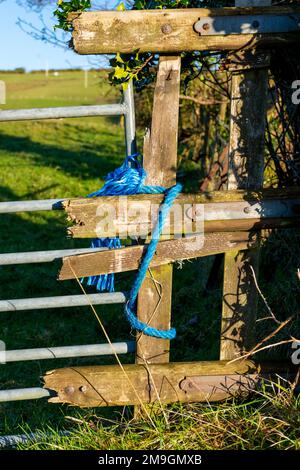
{"points": [[160, 163], [249, 88], [166, 31], [129, 258], [92, 386], [126, 216]]}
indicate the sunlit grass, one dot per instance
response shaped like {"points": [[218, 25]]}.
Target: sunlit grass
{"points": [[267, 420], [53, 159]]}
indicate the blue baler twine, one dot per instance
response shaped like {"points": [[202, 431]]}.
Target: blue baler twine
{"points": [[129, 179], [164, 209]]}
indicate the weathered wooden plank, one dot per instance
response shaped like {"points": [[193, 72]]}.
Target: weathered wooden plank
{"points": [[166, 31], [160, 163], [92, 386], [72, 206], [129, 258], [138, 383], [135, 215], [249, 89]]}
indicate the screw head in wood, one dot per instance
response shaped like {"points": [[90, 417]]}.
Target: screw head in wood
{"points": [[166, 28], [206, 26], [69, 389]]}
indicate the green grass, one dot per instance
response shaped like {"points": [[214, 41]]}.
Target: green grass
{"points": [[69, 158], [267, 420], [40, 160]]}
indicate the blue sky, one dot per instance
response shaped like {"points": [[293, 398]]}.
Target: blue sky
{"points": [[20, 50]]}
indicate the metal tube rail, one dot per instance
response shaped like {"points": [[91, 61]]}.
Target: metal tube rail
{"points": [[115, 109], [14, 305], [130, 137], [32, 257], [18, 394], [31, 206], [14, 440], [60, 352]]}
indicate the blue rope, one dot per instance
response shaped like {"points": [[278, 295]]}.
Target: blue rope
{"points": [[129, 179], [171, 194]]}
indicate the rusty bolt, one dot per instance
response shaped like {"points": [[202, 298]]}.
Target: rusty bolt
{"points": [[206, 26], [68, 390], [166, 28]]}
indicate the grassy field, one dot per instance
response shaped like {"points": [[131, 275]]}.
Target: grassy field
{"points": [[69, 158], [52, 159]]}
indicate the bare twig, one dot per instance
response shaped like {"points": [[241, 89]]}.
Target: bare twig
{"points": [[202, 101], [257, 348], [272, 316]]}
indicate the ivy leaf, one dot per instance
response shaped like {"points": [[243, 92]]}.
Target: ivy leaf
{"points": [[120, 73], [121, 7]]}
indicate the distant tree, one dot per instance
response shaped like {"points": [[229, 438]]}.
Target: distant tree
{"points": [[19, 70]]}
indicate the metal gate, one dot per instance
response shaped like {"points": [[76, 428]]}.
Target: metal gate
{"points": [[126, 109]]}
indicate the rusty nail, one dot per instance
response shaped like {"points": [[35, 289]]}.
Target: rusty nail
{"points": [[166, 28], [206, 26]]}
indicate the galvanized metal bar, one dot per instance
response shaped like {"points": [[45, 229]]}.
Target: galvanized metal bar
{"points": [[15, 305], [15, 439], [212, 211], [23, 394], [115, 109], [248, 24], [32, 257], [267, 208], [130, 128], [59, 352], [30, 206]]}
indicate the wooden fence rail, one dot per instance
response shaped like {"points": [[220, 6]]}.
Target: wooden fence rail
{"points": [[165, 31]]}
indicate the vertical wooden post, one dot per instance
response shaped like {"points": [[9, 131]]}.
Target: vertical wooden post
{"points": [[160, 162], [249, 88]]}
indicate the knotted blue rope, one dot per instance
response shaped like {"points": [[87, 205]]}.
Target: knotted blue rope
{"points": [[129, 179], [164, 209]]}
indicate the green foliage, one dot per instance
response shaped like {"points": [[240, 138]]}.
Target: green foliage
{"points": [[64, 8], [20, 70], [140, 67]]}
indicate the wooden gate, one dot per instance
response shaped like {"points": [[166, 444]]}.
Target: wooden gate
{"points": [[232, 220], [231, 223]]}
